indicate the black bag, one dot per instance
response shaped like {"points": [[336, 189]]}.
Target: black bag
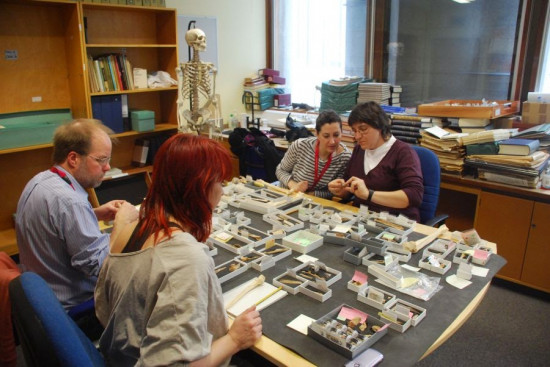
{"points": [[257, 154], [296, 130]]}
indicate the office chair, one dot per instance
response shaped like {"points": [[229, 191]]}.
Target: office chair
{"points": [[431, 172], [48, 335]]}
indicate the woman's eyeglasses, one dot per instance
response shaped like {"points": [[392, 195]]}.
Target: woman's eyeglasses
{"points": [[361, 130]]}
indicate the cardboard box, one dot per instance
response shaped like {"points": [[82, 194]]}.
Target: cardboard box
{"points": [[535, 113]]}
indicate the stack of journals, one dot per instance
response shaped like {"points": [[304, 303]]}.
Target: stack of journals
{"points": [[488, 136], [473, 125], [448, 149], [340, 98], [407, 127], [346, 80], [377, 92], [260, 89], [524, 171], [395, 98], [110, 73], [540, 132]]}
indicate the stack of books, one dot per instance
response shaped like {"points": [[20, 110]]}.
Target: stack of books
{"points": [[518, 162], [488, 136], [395, 98], [524, 171], [407, 127], [448, 148], [259, 90], [340, 98], [110, 73], [473, 125], [345, 80], [377, 92], [540, 132]]}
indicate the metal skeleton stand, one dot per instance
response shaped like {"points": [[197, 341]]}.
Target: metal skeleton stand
{"points": [[254, 123]]}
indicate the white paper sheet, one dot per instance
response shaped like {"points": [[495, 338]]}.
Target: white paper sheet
{"points": [[301, 323]]}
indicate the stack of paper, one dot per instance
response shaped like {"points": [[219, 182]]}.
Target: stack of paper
{"points": [[448, 148]]}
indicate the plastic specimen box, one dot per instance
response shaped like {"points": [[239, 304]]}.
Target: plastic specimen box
{"points": [[303, 241], [416, 313], [289, 281], [318, 272], [435, 264], [315, 291]]}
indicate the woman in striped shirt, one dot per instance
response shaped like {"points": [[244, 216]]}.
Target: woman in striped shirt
{"points": [[311, 163]]}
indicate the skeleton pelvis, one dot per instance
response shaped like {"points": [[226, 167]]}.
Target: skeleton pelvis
{"points": [[199, 118]]}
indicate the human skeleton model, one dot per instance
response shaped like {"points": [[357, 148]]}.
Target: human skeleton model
{"points": [[194, 82]]}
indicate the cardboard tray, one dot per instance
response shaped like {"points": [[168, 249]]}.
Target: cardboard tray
{"points": [[459, 108]]}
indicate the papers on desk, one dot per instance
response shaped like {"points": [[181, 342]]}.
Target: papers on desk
{"points": [[252, 297]]}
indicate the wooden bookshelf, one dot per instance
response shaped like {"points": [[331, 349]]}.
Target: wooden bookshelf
{"points": [[52, 40]]}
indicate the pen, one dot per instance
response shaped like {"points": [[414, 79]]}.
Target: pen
{"points": [[269, 295]]}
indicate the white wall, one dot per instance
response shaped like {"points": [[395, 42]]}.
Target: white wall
{"points": [[241, 43]]}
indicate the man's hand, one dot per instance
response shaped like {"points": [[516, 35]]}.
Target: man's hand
{"points": [[108, 211]]}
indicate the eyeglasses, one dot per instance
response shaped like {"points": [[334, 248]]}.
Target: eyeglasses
{"points": [[361, 130], [102, 161]]}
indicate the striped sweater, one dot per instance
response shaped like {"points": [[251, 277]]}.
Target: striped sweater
{"points": [[298, 164]]}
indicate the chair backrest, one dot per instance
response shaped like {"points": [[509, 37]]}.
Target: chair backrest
{"points": [[432, 178], [48, 336]]}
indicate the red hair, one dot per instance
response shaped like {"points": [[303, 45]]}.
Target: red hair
{"points": [[185, 168]]}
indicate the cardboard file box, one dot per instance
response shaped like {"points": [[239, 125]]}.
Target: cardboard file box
{"points": [[143, 120], [535, 113]]}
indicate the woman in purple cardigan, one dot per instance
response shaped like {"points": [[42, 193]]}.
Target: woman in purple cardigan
{"points": [[383, 172]]}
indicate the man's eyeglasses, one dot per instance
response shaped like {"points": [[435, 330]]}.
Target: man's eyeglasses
{"points": [[102, 161], [361, 130]]}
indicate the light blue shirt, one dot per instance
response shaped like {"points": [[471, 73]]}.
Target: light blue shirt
{"points": [[59, 238]]}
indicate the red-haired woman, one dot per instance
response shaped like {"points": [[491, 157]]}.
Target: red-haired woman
{"points": [[157, 294]]}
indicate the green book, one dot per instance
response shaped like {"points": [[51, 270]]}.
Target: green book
{"points": [[483, 148]]}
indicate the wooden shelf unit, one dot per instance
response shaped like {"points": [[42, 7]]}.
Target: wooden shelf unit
{"points": [[52, 40], [513, 217]]}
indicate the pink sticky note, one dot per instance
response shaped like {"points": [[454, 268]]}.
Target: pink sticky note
{"points": [[481, 254], [347, 313], [359, 277]]}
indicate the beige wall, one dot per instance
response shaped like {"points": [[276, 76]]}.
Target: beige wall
{"points": [[241, 43]]}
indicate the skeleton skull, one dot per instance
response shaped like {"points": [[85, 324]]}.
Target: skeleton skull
{"points": [[196, 39]]}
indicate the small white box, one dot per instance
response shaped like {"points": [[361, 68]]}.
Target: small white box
{"points": [[440, 248], [303, 241], [355, 254], [481, 257], [435, 264], [416, 313], [283, 221], [399, 252], [324, 275], [397, 320], [224, 272], [230, 241], [289, 281], [277, 251], [376, 297], [315, 291], [382, 261], [353, 286]]}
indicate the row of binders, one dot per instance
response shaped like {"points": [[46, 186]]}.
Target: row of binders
{"points": [[110, 73]]}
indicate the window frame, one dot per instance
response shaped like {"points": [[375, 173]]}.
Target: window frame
{"points": [[525, 63]]}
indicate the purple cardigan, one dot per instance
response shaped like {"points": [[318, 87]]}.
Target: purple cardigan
{"points": [[399, 169]]}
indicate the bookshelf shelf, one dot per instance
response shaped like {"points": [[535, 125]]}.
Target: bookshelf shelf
{"points": [[132, 91], [54, 39], [121, 46]]}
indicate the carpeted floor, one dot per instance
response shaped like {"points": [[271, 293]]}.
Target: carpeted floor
{"points": [[511, 327]]}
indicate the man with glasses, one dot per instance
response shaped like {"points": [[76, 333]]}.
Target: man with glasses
{"points": [[57, 229]]}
